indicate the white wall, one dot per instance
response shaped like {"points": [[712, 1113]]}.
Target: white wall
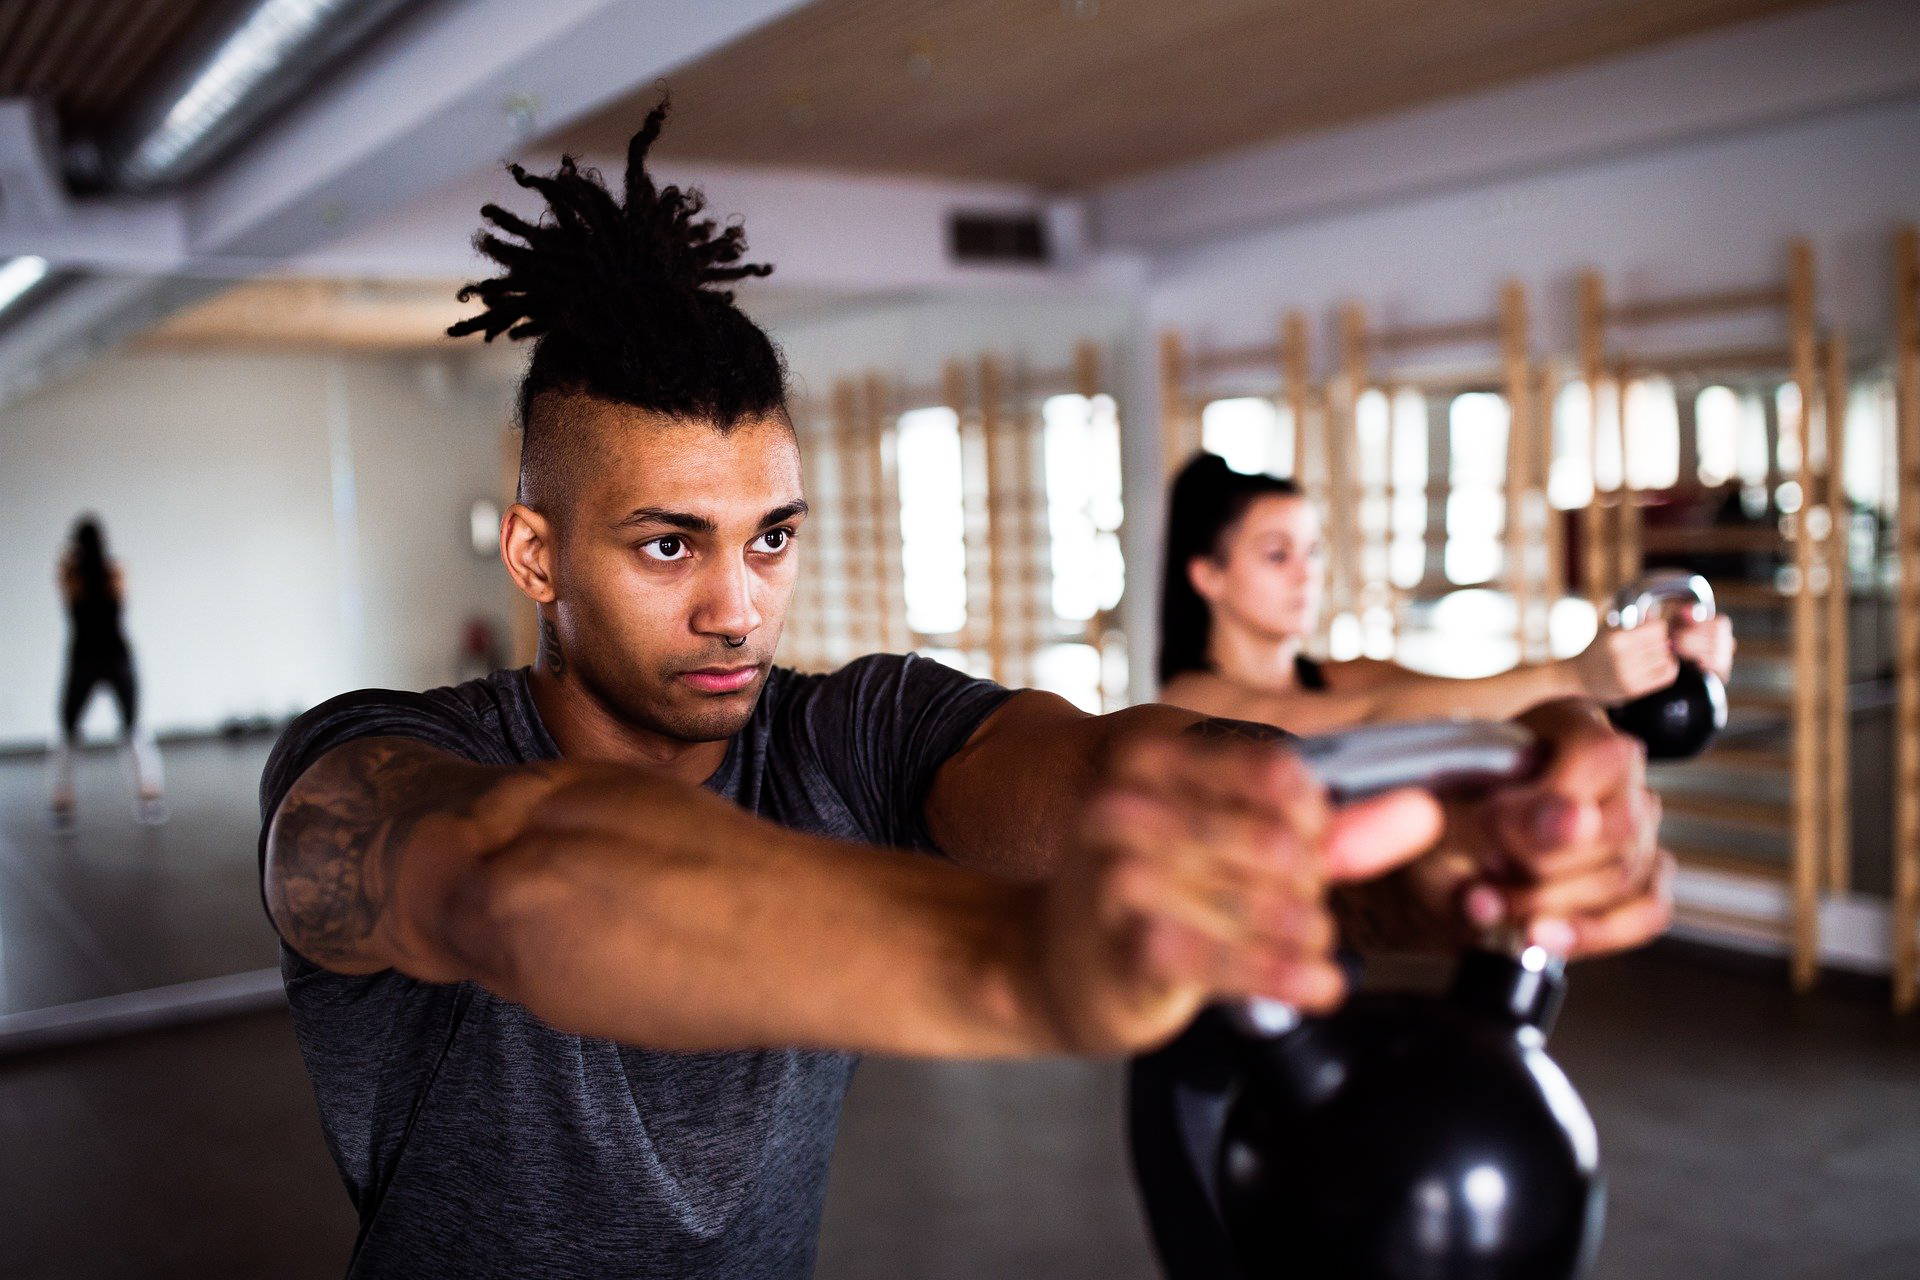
{"points": [[913, 338], [291, 526], [1696, 216]]}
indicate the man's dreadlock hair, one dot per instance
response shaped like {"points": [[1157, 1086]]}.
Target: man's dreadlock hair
{"points": [[619, 298]]}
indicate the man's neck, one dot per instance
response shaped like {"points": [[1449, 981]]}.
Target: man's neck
{"points": [[1256, 661], [585, 729]]}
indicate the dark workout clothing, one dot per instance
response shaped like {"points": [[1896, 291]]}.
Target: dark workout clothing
{"points": [[87, 670], [1177, 1099], [97, 653], [476, 1141]]}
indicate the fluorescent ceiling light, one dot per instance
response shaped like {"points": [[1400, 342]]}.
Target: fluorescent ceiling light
{"points": [[260, 46], [17, 275]]}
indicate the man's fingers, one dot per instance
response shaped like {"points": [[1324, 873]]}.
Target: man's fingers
{"points": [[1179, 956], [1239, 841], [1592, 890], [1371, 837], [1260, 777], [1236, 911], [1590, 759], [1630, 924]]}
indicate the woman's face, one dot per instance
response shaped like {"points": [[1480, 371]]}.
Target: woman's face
{"points": [[1269, 573]]}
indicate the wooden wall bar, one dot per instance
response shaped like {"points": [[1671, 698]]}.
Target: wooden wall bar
{"points": [[1838, 815], [1339, 499], [1179, 416], [1808, 690], [1816, 818], [1596, 562], [1522, 448], [1906, 779]]}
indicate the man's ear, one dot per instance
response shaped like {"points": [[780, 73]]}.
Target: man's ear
{"points": [[1204, 575], [526, 548]]}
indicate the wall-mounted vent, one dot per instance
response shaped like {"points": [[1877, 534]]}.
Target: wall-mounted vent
{"points": [[997, 237]]}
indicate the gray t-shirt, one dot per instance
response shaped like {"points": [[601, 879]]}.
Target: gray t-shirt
{"points": [[476, 1140]]}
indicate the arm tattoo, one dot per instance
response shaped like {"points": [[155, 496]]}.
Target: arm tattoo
{"points": [[552, 660], [338, 833]]}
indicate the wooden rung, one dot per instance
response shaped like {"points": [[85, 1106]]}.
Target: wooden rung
{"points": [[1724, 360], [1761, 699], [1773, 648], [1448, 334], [1759, 759], [1749, 595], [1765, 815], [1724, 862], [1772, 929], [1440, 383], [1686, 306], [1719, 538], [1220, 359]]}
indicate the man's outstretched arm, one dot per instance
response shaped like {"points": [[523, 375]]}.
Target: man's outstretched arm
{"points": [[612, 902], [616, 903]]}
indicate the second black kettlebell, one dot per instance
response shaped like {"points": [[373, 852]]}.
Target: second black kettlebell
{"points": [[1677, 721]]}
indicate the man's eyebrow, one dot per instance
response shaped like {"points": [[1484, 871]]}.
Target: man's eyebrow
{"points": [[785, 511], [672, 519], [700, 524]]}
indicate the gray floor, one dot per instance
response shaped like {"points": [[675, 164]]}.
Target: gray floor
{"points": [[110, 906], [1749, 1134]]}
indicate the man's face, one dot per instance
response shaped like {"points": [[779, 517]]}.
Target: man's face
{"points": [[679, 539]]}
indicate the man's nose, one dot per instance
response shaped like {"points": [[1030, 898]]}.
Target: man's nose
{"points": [[727, 607]]}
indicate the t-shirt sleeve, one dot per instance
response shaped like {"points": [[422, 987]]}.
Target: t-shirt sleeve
{"points": [[883, 725], [432, 718], [369, 713]]}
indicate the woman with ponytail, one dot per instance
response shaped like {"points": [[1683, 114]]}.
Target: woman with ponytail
{"points": [[1241, 592]]}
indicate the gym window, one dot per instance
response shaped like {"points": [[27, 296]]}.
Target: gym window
{"points": [[933, 521]]}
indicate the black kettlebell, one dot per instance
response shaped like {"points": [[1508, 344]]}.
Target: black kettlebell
{"points": [[1403, 1137], [1677, 721], [1409, 1136]]}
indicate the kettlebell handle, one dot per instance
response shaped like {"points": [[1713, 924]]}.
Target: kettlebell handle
{"points": [[1637, 601], [1439, 755]]}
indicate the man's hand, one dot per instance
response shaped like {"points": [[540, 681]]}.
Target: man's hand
{"points": [[1202, 871], [1572, 859]]}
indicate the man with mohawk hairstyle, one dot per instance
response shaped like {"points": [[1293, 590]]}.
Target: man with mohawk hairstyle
{"points": [[580, 956]]}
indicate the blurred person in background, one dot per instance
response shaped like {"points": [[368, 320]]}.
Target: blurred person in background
{"points": [[94, 590], [1243, 583]]}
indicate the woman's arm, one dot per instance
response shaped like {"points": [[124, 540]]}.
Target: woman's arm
{"points": [[1617, 666]]}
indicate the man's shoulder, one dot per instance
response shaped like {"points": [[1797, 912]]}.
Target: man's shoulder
{"points": [[470, 702], [874, 678], [469, 720]]}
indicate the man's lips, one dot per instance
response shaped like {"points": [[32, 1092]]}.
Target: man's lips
{"points": [[721, 679]]}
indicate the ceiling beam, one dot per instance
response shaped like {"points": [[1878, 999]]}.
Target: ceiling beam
{"points": [[452, 89]]}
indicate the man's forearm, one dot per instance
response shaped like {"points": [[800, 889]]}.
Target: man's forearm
{"points": [[695, 926]]}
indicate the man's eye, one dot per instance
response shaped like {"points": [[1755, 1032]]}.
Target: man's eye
{"points": [[667, 548], [773, 540]]}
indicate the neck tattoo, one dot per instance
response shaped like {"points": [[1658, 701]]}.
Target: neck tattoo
{"points": [[552, 660]]}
